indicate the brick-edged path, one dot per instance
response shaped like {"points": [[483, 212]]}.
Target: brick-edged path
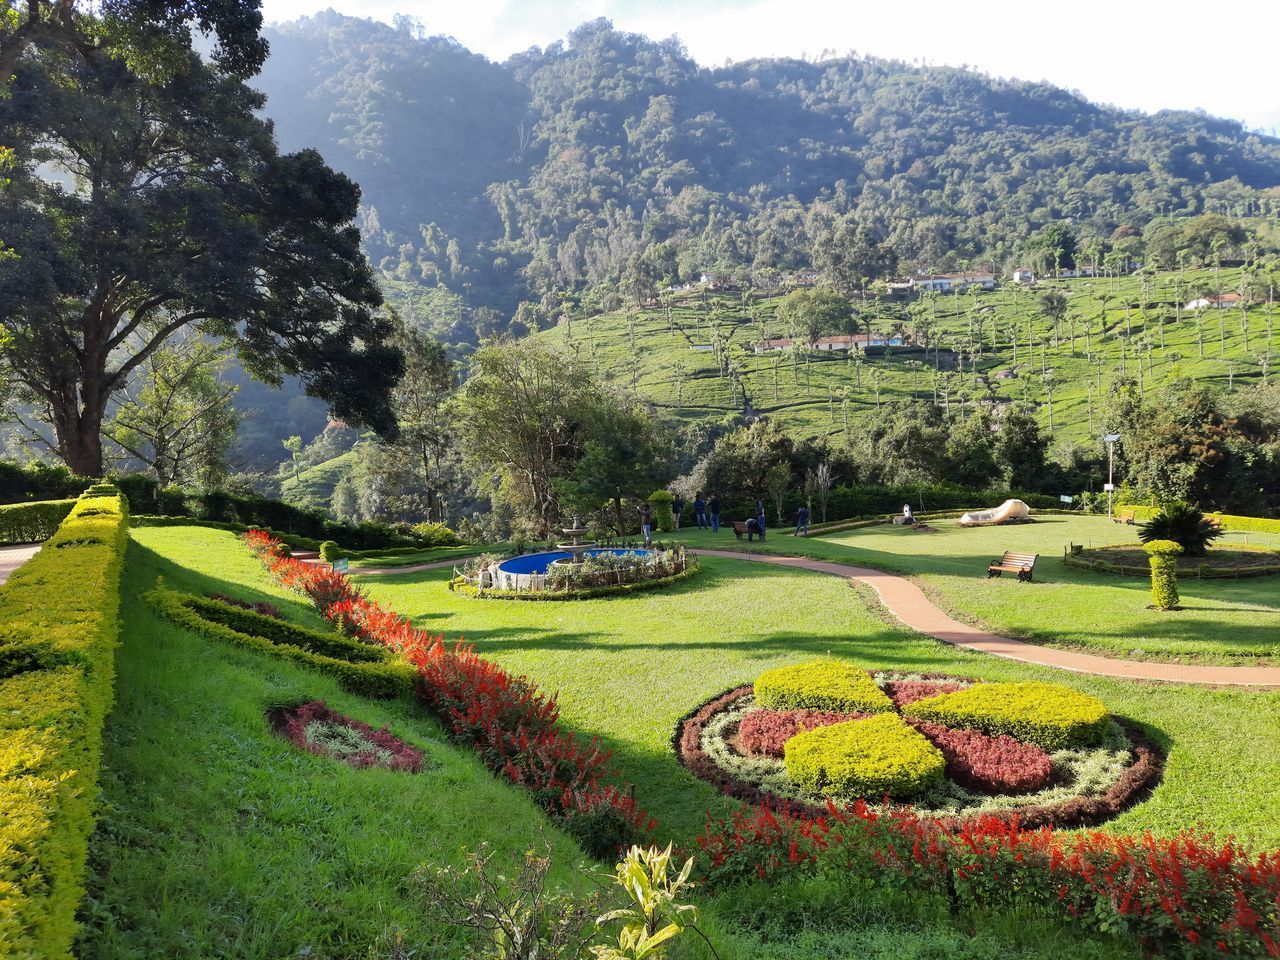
{"points": [[11, 558], [908, 603]]}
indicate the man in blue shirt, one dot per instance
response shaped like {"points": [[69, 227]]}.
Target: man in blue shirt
{"points": [[700, 511], [802, 521]]}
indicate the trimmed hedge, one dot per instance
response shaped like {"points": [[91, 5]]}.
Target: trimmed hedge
{"points": [[1046, 714], [821, 685], [32, 522], [871, 758], [361, 668], [38, 481], [1230, 521], [59, 626]]}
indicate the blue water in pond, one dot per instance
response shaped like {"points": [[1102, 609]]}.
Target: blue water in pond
{"points": [[539, 562]]}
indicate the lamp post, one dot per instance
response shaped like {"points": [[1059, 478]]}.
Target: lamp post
{"points": [[1110, 440]]}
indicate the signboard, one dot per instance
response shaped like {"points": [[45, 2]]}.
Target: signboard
{"points": [[1066, 499], [1108, 487], [340, 566]]}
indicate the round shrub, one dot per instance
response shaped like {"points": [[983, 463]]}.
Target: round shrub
{"points": [[1164, 573], [821, 685], [329, 551], [871, 758], [1046, 714], [660, 502]]}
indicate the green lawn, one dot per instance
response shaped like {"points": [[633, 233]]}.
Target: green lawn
{"points": [[218, 839], [1223, 621]]}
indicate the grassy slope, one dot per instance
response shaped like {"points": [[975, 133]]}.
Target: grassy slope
{"points": [[802, 394], [1223, 621], [314, 485], [219, 840]]}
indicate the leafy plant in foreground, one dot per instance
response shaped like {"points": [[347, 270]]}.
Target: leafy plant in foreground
{"points": [[654, 918]]}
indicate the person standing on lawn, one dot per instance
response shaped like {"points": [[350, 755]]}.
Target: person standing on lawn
{"points": [[677, 508], [760, 519], [713, 512], [646, 524], [699, 511], [802, 521]]}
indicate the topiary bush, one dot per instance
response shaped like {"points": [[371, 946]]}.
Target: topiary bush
{"points": [[1164, 573], [32, 522], [660, 501], [821, 685], [1046, 714], [871, 758], [329, 551], [1185, 525]]}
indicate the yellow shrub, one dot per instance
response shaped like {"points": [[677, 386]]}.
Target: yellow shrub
{"points": [[821, 685], [865, 758], [59, 621], [1046, 714]]}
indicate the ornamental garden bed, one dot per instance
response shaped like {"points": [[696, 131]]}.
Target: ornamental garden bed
{"points": [[606, 572], [955, 748], [315, 728], [1238, 560]]}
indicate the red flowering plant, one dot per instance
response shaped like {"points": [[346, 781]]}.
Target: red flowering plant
{"points": [[1187, 895], [504, 717]]}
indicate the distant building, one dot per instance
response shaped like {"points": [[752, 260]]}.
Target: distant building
{"points": [[843, 342], [952, 282], [1215, 303], [1024, 275], [803, 278]]}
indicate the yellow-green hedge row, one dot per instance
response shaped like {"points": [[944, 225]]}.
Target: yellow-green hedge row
{"points": [[1046, 714], [361, 668], [1229, 521], [32, 522], [870, 758], [59, 624], [821, 685]]}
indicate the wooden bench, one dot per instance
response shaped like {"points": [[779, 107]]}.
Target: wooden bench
{"points": [[1023, 564], [1124, 516], [740, 527]]}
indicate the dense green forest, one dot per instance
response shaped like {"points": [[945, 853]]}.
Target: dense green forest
{"points": [[501, 196]]}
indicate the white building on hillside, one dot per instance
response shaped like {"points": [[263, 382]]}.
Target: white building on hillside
{"points": [[953, 282]]}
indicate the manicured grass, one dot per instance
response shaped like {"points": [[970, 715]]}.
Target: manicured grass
{"points": [[427, 555], [1222, 621], [629, 668], [219, 839]]}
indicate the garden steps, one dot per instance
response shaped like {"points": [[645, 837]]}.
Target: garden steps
{"points": [[11, 558], [907, 602]]}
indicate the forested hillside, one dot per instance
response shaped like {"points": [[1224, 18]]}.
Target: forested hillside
{"points": [[574, 177]]}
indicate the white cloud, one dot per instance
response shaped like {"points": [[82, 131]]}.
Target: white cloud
{"points": [[1137, 54]]}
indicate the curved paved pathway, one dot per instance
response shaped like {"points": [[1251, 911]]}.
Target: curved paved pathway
{"points": [[908, 603], [11, 558]]}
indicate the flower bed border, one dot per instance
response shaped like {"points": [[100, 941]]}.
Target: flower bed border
{"points": [[1135, 784], [590, 593], [280, 718]]}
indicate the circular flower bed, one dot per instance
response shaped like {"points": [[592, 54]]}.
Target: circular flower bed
{"points": [[317, 729], [551, 576], [952, 746]]}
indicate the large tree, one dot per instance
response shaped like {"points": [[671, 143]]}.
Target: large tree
{"points": [[811, 313], [138, 209]]}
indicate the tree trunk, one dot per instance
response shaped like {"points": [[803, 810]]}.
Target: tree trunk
{"points": [[79, 435]]}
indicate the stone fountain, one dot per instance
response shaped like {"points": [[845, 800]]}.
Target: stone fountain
{"points": [[577, 549]]}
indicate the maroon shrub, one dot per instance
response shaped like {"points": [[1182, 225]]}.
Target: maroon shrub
{"points": [[989, 764], [766, 732], [903, 692]]}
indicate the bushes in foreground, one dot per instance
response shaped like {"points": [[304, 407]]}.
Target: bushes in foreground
{"points": [[59, 620], [32, 522], [873, 757], [1189, 895]]}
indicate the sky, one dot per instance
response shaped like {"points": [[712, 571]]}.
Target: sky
{"points": [[1138, 54]]}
